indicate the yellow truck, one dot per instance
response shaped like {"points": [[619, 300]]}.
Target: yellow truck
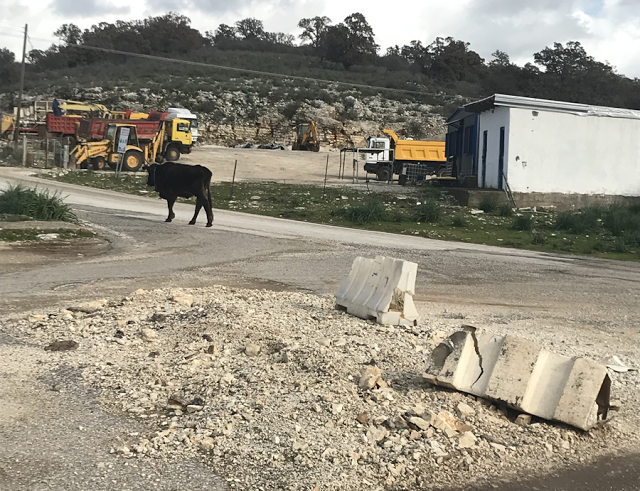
{"points": [[392, 153], [99, 154]]}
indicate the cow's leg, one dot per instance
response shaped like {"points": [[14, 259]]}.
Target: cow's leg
{"points": [[207, 205], [172, 215], [198, 206]]}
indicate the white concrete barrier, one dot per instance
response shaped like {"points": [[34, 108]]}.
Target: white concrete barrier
{"points": [[380, 289], [528, 378]]}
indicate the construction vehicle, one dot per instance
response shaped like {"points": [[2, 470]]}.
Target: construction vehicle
{"points": [[6, 126], [181, 113], [140, 150], [176, 139], [392, 154], [307, 137]]}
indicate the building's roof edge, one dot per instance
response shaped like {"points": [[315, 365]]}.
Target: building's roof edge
{"points": [[504, 100]]}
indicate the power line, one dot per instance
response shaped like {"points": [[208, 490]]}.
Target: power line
{"points": [[237, 69]]}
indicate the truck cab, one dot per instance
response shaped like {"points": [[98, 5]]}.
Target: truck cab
{"points": [[178, 112]]}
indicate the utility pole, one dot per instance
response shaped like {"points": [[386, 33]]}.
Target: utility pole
{"points": [[16, 133]]}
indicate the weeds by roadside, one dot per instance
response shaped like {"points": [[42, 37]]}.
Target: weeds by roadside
{"points": [[612, 232], [36, 204]]}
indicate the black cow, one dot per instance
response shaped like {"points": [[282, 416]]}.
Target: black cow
{"points": [[173, 180]]}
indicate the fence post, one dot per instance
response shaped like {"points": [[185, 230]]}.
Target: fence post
{"points": [[326, 170], [24, 150], [65, 156], [233, 180], [46, 153]]}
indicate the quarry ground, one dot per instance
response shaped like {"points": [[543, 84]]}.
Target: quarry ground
{"points": [[57, 429]]}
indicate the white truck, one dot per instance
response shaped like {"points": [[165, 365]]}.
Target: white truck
{"points": [[179, 112]]}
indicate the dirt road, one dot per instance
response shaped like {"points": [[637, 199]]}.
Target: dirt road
{"points": [[269, 165], [576, 305]]}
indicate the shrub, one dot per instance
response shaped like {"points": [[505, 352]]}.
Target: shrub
{"points": [[489, 204], [505, 210], [39, 205], [523, 223], [620, 221], [458, 221], [371, 211], [580, 222], [428, 211], [538, 238]]}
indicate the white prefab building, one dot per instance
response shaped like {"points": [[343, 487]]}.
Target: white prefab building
{"points": [[535, 145]]}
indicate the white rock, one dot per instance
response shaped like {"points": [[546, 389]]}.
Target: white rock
{"points": [[465, 411], [38, 317], [369, 377], [183, 299], [467, 440], [252, 350], [149, 335]]}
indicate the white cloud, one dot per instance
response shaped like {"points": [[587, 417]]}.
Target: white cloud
{"points": [[609, 29]]}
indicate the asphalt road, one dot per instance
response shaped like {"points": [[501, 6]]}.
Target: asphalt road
{"points": [[242, 249]]}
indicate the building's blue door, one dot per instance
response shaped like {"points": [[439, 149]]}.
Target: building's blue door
{"points": [[501, 160], [484, 158]]}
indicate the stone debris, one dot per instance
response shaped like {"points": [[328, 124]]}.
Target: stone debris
{"points": [[245, 380], [67, 345], [149, 335], [252, 350], [369, 378], [88, 307], [183, 299], [523, 419], [38, 318]]}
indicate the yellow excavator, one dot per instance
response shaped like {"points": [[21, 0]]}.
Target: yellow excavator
{"points": [[6, 126], [103, 153], [307, 137]]}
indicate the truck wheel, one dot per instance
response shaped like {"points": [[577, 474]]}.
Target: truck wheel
{"points": [[99, 163], [441, 172], [172, 154], [132, 161], [383, 174]]}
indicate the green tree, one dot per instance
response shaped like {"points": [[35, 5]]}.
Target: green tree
{"points": [[69, 34], [351, 42], [313, 29], [8, 69], [250, 28]]}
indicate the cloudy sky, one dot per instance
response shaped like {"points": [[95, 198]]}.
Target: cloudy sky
{"points": [[609, 29]]}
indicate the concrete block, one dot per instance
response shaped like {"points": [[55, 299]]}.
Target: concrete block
{"points": [[520, 373], [380, 289]]}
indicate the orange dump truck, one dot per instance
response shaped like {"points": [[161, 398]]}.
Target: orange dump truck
{"points": [[392, 153]]}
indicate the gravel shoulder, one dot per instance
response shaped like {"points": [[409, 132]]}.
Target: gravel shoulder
{"points": [[265, 387]]}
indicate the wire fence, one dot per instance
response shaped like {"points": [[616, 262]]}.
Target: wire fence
{"points": [[37, 152]]}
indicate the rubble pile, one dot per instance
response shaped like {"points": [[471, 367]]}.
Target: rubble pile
{"points": [[278, 390]]}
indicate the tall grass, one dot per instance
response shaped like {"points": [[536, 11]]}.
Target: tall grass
{"points": [[370, 211], [34, 203], [428, 211], [581, 222], [489, 204]]}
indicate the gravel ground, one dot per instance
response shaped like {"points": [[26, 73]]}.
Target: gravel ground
{"points": [[267, 388]]}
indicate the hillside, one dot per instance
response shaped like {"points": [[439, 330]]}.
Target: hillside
{"points": [[247, 84]]}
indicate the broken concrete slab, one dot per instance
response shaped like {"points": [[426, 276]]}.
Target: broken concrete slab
{"points": [[380, 289], [522, 374]]}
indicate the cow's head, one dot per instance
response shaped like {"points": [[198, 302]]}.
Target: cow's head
{"points": [[151, 169]]}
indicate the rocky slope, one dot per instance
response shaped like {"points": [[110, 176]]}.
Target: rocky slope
{"points": [[260, 112]]}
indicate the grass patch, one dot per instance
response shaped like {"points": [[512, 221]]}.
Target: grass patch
{"points": [[505, 210], [32, 235], [523, 223], [401, 214], [371, 211], [489, 204], [429, 211], [36, 204], [458, 221]]}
